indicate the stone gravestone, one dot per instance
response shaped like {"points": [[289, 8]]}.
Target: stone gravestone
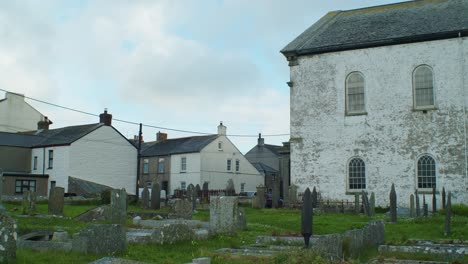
{"points": [[275, 196], [155, 196], [145, 198], [372, 204], [448, 215], [357, 206], [412, 209], [261, 196], [434, 201], [56, 201], [198, 191], [314, 198], [307, 217], [416, 197], [29, 202], [393, 205], [443, 198], [205, 191], [100, 240], [292, 195], [118, 206], [365, 203], [8, 239], [224, 214], [425, 207], [191, 196], [181, 209]]}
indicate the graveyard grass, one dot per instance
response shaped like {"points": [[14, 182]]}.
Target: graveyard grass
{"points": [[259, 222]]}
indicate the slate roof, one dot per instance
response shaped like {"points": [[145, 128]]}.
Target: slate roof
{"points": [[273, 148], [18, 140], [176, 146], [62, 136], [405, 22], [264, 168]]}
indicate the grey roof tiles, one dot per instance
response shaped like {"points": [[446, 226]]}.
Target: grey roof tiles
{"points": [[176, 146]]}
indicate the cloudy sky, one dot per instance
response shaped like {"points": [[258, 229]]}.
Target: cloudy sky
{"points": [[182, 64]]}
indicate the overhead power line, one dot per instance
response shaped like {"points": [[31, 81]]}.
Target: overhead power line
{"points": [[145, 125]]}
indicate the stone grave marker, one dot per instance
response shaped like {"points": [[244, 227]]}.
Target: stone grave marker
{"points": [[365, 203], [100, 240], [118, 206], [145, 198], [448, 215], [275, 196], [393, 205], [155, 196], [205, 191], [8, 237], [434, 201], [314, 197], [198, 191], [56, 201], [372, 204], [181, 208], [425, 207], [292, 195], [261, 196], [224, 214], [443, 198], [357, 206], [29, 202], [192, 197], [412, 209], [307, 217], [416, 197]]}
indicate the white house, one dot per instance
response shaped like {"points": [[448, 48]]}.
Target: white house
{"points": [[97, 153], [16, 115], [379, 96], [196, 160]]}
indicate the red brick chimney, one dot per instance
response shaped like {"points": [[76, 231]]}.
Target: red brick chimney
{"points": [[44, 124], [161, 136], [105, 118]]}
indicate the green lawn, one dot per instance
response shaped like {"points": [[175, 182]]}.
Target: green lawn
{"points": [[260, 222]]}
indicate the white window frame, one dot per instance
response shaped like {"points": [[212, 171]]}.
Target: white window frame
{"points": [[349, 178], [183, 164], [418, 177], [50, 159], [237, 165], [229, 164], [348, 111], [415, 105]]}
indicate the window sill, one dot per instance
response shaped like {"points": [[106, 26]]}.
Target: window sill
{"points": [[355, 113], [353, 192], [426, 191], [183, 172], [424, 108], [50, 168]]}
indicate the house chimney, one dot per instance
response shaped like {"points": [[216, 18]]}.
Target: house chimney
{"points": [[105, 118], [261, 141], [161, 136], [135, 139], [43, 124], [221, 129]]}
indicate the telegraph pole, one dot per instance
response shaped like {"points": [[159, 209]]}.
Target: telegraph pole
{"points": [[138, 163]]}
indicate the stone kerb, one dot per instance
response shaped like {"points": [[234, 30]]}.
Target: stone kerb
{"points": [[8, 237], [224, 214], [172, 233], [100, 239]]}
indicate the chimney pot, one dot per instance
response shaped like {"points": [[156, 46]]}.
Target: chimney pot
{"points": [[261, 141]]}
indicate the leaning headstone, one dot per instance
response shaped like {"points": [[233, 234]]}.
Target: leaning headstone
{"points": [[448, 214], [365, 203], [275, 197], [443, 198], [425, 207], [205, 191], [412, 210], [145, 198], [393, 205], [292, 195], [224, 214], [181, 209], [29, 202], [434, 200], [418, 209], [314, 197], [118, 206], [261, 196], [241, 219], [56, 201], [192, 196], [307, 217], [100, 240], [357, 207], [155, 196], [372, 204], [8, 239]]}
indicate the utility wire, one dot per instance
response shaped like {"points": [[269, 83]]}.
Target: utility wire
{"points": [[136, 123]]}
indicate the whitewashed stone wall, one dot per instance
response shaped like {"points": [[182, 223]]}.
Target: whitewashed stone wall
{"points": [[392, 136]]}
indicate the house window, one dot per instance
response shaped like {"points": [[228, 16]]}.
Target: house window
{"points": [[426, 172], [25, 185], [52, 185], [357, 174], [161, 166], [145, 166], [355, 100], [423, 87], [229, 165], [51, 159], [35, 163], [242, 187], [183, 164], [237, 165], [183, 185], [220, 145]]}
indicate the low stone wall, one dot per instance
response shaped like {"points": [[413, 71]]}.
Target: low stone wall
{"points": [[449, 252]]}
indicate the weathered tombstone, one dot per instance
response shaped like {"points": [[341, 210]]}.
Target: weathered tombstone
{"points": [[118, 206], [155, 196], [372, 204], [56, 201], [181, 209], [275, 196], [292, 195], [434, 200], [261, 196], [443, 198], [425, 209], [192, 197], [230, 189], [145, 198], [412, 210], [448, 214], [393, 205], [8, 238], [198, 191], [365, 203], [29, 202], [307, 217], [418, 210], [205, 192], [224, 214], [314, 197], [100, 239], [357, 207]]}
